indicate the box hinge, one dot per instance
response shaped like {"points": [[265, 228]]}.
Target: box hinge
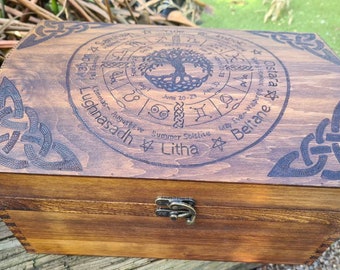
{"points": [[176, 208]]}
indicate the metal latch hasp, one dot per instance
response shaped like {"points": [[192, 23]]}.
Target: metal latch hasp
{"points": [[176, 208]]}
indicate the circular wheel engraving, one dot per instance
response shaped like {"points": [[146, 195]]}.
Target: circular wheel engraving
{"points": [[177, 97]]}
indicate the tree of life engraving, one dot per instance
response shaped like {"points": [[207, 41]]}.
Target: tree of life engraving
{"points": [[166, 99], [180, 80]]}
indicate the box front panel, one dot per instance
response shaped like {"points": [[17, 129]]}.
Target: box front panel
{"points": [[229, 240], [117, 217]]}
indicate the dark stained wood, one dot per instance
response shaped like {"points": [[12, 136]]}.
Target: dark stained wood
{"points": [[245, 107], [103, 119]]}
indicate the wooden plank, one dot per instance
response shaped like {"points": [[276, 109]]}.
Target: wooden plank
{"points": [[48, 262], [13, 256], [215, 213], [96, 189], [4, 231], [227, 216], [150, 237]]}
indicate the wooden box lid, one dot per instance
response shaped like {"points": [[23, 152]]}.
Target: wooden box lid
{"points": [[152, 102]]}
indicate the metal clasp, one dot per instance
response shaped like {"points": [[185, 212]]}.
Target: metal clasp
{"points": [[176, 208]]}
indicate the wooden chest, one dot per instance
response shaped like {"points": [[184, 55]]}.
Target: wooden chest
{"points": [[168, 142]]}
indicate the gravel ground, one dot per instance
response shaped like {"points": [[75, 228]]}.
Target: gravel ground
{"points": [[330, 260]]}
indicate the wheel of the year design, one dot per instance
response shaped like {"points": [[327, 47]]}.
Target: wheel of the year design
{"points": [[177, 97]]}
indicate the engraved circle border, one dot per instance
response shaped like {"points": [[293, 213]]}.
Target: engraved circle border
{"points": [[158, 164]]}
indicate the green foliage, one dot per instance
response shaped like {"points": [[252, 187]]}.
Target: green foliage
{"points": [[2, 4], [54, 6], [321, 17]]}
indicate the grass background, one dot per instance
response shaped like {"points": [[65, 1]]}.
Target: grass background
{"points": [[316, 16]]}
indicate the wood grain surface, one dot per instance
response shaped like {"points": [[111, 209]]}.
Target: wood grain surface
{"points": [[117, 216], [13, 256], [172, 103], [97, 121]]}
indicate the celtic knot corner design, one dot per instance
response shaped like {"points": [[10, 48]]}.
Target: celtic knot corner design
{"points": [[24, 140], [51, 29], [302, 41], [315, 151]]}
